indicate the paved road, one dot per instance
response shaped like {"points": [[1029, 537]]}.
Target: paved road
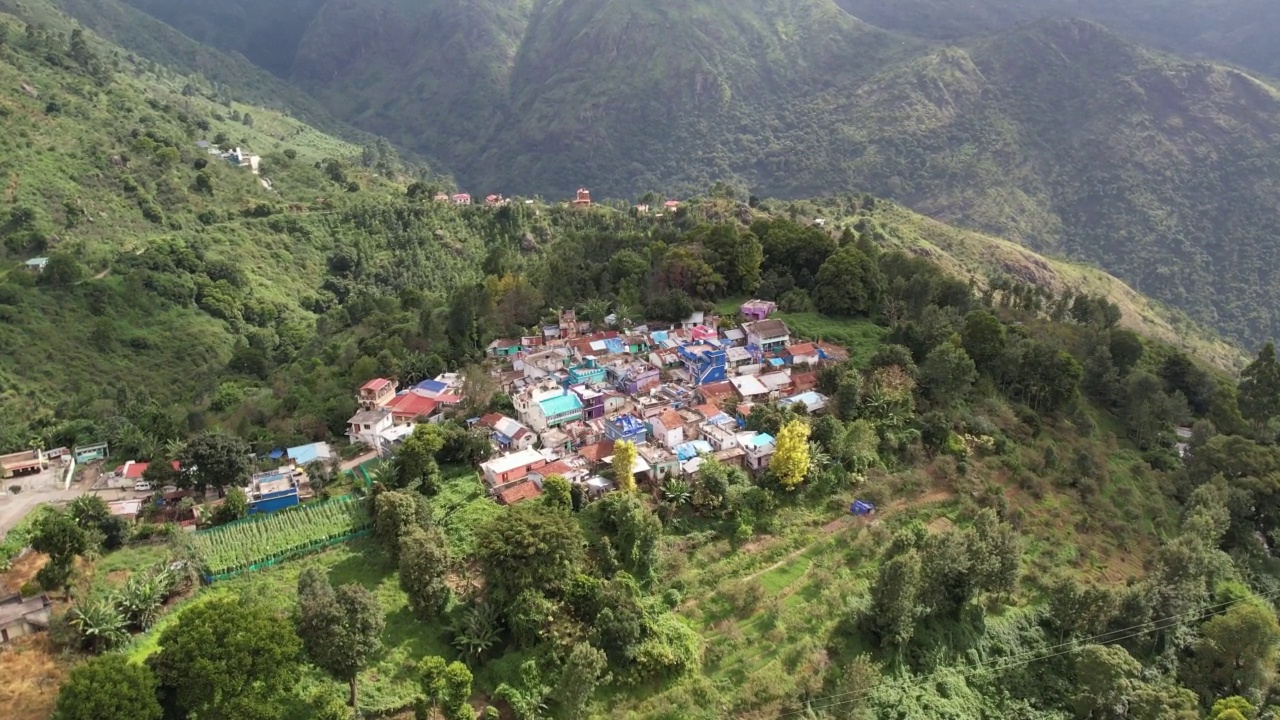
{"points": [[15, 507], [353, 462]]}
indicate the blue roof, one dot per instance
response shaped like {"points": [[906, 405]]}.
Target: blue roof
{"points": [[720, 419], [558, 404], [659, 336], [692, 449], [615, 346], [432, 386], [760, 440], [629, 425], [304, 454]]}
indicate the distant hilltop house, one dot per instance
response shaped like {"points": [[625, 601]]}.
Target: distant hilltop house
{"points": [[36, 265], [583, 199], [496, 201], [240, 158], [461, 199], [671, 205]]}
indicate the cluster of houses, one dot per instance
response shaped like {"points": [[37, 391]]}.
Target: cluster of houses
{"points": [[581, 199], [681, 394], [235, 156]]}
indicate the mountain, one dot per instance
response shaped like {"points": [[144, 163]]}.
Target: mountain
{"points": [[1237, 31], [1070, 140]]}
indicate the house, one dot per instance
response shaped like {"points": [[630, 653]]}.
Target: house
{"points": [[697, 318], [749, 387], [640, 468], [554, 409], [503, 348], [507, 469], [461, 199], [27, 462], [758, 451], [757, 310], [240, 158], [813, 401], [704, 362], [592, 401], [21, 616], [305, 454], [766, 336], [776, 383], [36, 265], [671, 205], [376, 393], [633, 376], [494, 200], [595, 453], [641, 209], [410, 407], [521, 491], [588, 372], [507, 433], [273, 490], [804, 381], [668, 428], [719, 436], [625, 427], [367, 425], [717, 393], [662, 463], [735, 336], [733, 457], [582, 199], [556, 440], [440, 197], [568, 325], [802, 354]]}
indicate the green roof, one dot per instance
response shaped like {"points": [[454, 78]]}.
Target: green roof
{"points": [[560, 404]]}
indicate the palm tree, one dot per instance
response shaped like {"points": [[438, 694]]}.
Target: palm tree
{"points": [[596, 310], [676, 491], [174, 447], [625, 314]]}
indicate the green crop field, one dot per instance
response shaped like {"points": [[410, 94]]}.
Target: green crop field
{"points": [[265, 538]]}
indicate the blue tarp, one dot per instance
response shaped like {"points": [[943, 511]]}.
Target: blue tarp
{"points": [[862, 507], [692, 449], [615, 346], [659, 336], [276, 454], [431, 386], [777, 362]]}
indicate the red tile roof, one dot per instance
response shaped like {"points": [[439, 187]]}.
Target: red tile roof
{"points": [[595, 452], [803, 382], [802, 349], [491, 420], [670, 419], [519, 493], [411, 405], [375, 384], [714, 393], [707, 410], [134, 470]]}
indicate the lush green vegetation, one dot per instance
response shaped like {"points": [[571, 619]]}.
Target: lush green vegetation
{"points": [[1057, 134]]}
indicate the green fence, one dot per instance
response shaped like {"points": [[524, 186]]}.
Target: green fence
{"points": [[316, 546]]}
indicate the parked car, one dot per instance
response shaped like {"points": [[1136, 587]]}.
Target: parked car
{"points": [[142, 486]]}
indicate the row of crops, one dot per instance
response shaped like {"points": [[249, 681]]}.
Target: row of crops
{"points": [[262, 540]]}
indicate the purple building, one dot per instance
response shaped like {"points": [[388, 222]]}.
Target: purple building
{"points": [[592, 402], [634, 377], [757, 310]]}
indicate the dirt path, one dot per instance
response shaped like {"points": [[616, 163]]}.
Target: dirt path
{"points": [[849, 521], [360, 460]]}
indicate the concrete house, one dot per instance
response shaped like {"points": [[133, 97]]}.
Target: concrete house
{"points": [[625, 427], [759, 451], [512, 468], [668, 428], [21, 616], [767, 336], [757, 310], [592, 401], [704, 362], [366, 426], [508, 434], [505, 347], [802, 354], [376, 393]]}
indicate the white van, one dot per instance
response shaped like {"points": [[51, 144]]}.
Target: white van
{"points": [[142, 486]]}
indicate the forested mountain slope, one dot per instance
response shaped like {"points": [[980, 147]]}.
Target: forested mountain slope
{"points": [[1067, 138], [1237, 31]]}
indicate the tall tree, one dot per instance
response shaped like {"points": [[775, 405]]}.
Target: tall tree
{"points": [[229, 657], [983, 339], [340, 630], [216, 459], [108, 687], [849, 284], [633, 531], [895, 601], [57, 535], [424, 561], [446, 688], [1236, 653], [395, 513], [735, 252], [1106, 682], [790, 461], [624, 462], [585, 669], [1260, 388], [947, 374], [530, 546]]}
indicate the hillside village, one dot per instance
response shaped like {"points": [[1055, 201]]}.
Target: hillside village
{"points": [[680, 394]]}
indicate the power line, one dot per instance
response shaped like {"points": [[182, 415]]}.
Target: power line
{"points": [[1070, 646]]}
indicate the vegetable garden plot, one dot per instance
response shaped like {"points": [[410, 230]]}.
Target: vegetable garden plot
{"points": [[264, 540]]}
